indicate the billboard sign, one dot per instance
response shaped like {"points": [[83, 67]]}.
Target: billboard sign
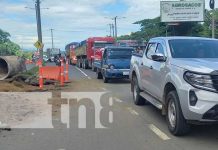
{"points": [[182, 11]]}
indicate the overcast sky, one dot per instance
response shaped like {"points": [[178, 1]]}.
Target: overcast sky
{"points": [[73, 20]]}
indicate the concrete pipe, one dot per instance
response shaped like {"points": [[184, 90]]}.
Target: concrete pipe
{"points": [[11, 65]]}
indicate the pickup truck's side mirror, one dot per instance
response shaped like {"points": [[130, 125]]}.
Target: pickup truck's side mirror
{"points": [[158, 57]]}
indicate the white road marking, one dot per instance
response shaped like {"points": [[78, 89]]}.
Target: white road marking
{"points": [[118, 100], [111, 101], [132, 111], [84, 73], [104, 89], [3, 125], [158, 132]]}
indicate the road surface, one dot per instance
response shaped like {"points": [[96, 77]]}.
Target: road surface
{"points": [[132, 128]]}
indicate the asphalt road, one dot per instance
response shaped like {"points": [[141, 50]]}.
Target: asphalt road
{"points": [[133, 127]]}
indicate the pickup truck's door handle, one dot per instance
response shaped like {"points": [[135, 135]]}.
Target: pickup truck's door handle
{"points": [[142, 64], [151, 67]]}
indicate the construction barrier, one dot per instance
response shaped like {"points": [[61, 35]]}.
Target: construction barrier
{"points": [[53, 73]]}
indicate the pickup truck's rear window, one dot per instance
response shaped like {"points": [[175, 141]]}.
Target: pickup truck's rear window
{"points": [[120, 53], [194, 48]]}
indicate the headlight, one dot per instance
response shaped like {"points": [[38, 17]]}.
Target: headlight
{"points": [[201, 81]]}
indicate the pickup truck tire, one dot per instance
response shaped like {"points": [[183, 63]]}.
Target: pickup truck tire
{"points": [[138, 100], [98, 74], [80, 63], [83, 64], [177, 124]]}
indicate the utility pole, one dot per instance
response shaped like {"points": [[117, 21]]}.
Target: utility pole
{"points": [[111, 29], [115, 23], [112, 26], [39, 26], [212, 6], [213, 23], [166, 30], [52, 38]]}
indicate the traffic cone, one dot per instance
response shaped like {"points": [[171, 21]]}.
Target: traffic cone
{"points": [[62, 73], [40, 75], [67, 71]]}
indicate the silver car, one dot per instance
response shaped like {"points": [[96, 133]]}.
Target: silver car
{"points": [[178, 75]]}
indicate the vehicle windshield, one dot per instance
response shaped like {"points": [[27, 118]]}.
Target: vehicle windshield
{"points": [[102, 45], [194, 48], [120, 54]]}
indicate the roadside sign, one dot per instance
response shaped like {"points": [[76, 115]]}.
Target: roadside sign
{"points": [[39, 45], [182, 11]]}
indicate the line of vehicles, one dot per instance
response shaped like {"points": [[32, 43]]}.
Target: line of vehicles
{"points": [[110, 59], [178, 75]]}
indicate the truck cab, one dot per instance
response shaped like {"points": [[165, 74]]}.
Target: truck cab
{"points": [[115, 63], [98, 49]]}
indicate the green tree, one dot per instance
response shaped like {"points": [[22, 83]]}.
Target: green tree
{"points": [[7, 47], [154, 28], [4, 36]]}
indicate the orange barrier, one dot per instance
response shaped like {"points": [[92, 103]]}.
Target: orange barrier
{"points": [[53, 73]]}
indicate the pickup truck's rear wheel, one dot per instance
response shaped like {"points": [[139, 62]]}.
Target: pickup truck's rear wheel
{"points": [[98, 74], [138, 100], [175, 119], [80, 63], [83, 64]]}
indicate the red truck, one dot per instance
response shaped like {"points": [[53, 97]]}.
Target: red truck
{"points": [[85, 51]]}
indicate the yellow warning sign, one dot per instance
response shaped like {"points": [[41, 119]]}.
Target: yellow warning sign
{"points": [[39, 45]]}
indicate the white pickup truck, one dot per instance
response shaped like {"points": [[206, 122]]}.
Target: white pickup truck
{"points": [[178, 75]]}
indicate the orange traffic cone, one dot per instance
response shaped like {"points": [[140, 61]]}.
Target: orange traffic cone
{"points": [[62, 73], [40, 75], [67, 71]]}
